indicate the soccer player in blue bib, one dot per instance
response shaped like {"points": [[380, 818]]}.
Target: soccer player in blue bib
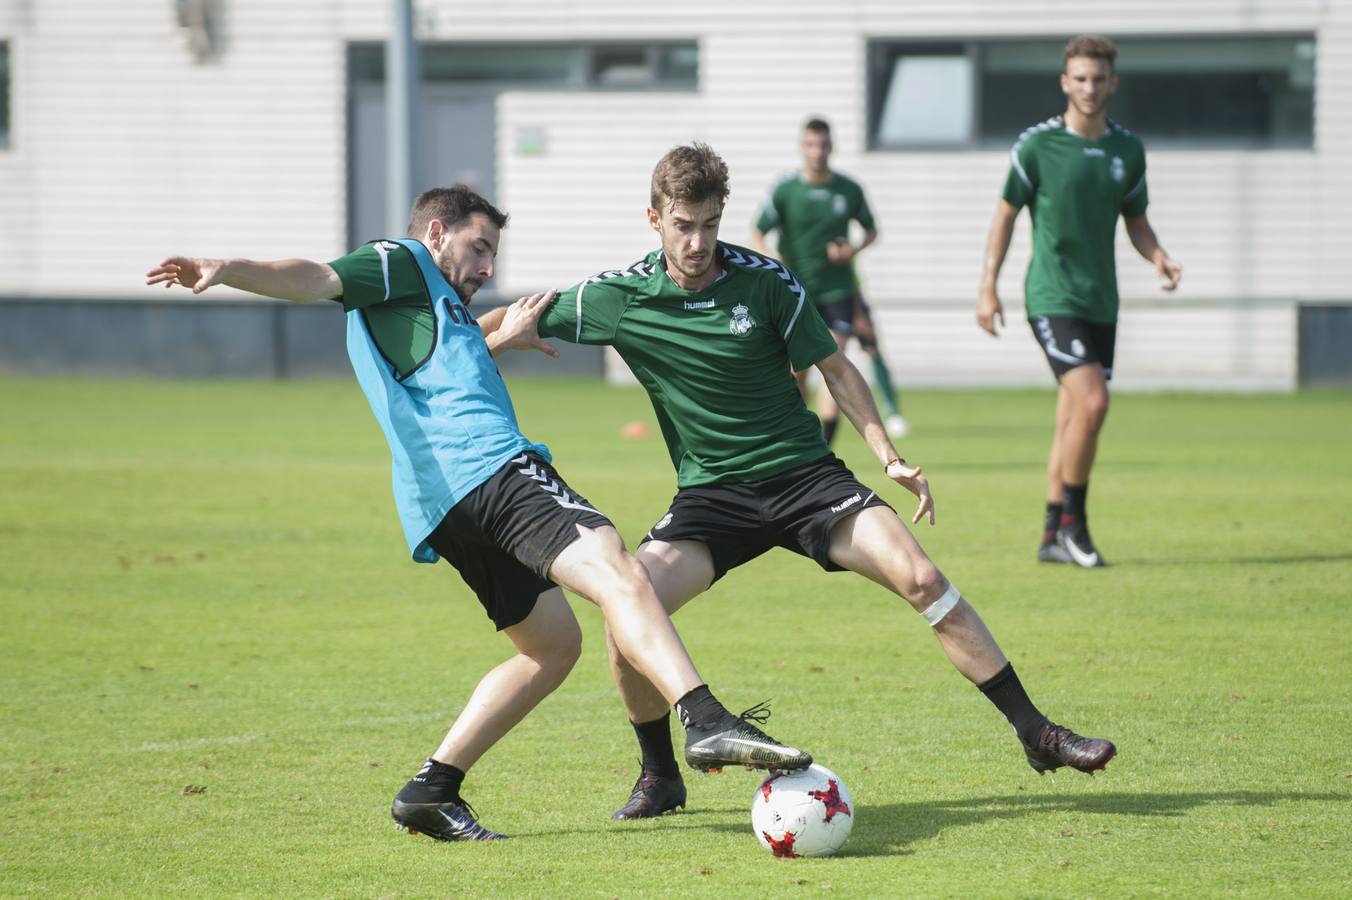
{"points": [[471, 488]]}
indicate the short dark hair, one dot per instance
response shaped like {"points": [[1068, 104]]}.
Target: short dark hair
{"points": [[816, 123], [690, 173], [451, 206], [1093, 46]]}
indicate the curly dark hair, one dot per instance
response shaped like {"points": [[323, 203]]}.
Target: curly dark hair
{"points": [[690, 173]]}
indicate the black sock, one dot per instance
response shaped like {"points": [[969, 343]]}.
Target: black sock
{"points": [[1051, 522], [829, 430], [1008, 695], [654, 739], [1073, 506], [700, 707], [435, 783]]}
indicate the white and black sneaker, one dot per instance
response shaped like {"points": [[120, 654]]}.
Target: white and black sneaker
{"points": [[735, 741], [1052, 552], [1075, 540]]}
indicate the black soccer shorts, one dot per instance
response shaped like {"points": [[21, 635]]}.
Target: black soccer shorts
{"points": [[839, 315], [1069, 343], [795, 510], [503, 536]]}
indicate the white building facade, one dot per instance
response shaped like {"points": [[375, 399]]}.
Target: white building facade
{"points": [[121, 145]]}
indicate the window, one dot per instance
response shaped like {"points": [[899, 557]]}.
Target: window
{"points": [[4, 95], [1243, 91], [645, 65], [927, 99]]}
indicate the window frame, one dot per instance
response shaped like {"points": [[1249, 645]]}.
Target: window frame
{"points": [[6, 95], [881, 52], [365, 61]]}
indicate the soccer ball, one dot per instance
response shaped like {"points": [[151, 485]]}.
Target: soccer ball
{"points": [[805, 813]]}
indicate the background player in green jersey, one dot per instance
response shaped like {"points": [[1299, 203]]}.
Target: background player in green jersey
{"points": [[711, 331], [812, 210], [1076, 173], [471, 489]]}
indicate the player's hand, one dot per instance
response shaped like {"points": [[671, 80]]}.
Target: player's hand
{"points": [[988, 310], [913, 479], [840, 251], [1170, 271], [197, 274], [520, 326]]}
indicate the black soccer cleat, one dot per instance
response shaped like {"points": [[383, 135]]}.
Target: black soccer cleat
{"points": [[1052, 552], [453, 821], [1075, 540], [653, 795], [1057, 747], [734, 741]]}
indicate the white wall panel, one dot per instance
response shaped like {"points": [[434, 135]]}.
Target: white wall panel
{"points": [[115, 125]]}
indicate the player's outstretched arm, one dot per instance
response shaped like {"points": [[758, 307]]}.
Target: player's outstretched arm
{"points": [[852, 394], [298, 280], [1144, 240], [516, 326], [988, 306]]}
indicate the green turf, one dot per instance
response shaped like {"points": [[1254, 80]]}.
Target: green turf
{"points": [[217, 663]]}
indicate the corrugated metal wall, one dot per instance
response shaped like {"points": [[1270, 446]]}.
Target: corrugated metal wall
{"points": [[123, 149]]}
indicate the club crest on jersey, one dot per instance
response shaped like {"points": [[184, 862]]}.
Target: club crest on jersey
{"points": [[1117, 169], [838, 205], [741, 323]]}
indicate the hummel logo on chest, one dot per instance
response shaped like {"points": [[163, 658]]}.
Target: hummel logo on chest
{"points": [[701, 304]]}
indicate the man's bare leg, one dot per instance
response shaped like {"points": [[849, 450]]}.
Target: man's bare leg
{"points": [[875, 543], [1085, 391], [547, 642], [597, 566], [679, 571]]}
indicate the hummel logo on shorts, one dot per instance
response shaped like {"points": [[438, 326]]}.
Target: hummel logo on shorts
{"points": [[846, 504]]}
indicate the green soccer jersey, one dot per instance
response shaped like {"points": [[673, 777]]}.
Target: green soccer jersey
{"points": [[715, 362], [809, 217], [383, 280], [1075, 189]]}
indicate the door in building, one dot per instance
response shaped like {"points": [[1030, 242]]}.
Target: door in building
{"points": [[456, 145]]}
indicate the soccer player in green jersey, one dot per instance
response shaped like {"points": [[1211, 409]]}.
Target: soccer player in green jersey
{"points": [[812, 210], [1076, 173], [471, 489], [711, 331]]}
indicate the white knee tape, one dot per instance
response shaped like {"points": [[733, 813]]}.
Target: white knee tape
{"points": [[935, 612]]}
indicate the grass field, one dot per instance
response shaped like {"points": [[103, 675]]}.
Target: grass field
{"points": [[217, 663]]}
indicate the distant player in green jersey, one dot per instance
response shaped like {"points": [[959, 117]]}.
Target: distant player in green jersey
{"points": [[470, 488], [812, 210], [711, 331], [1076, 173]]}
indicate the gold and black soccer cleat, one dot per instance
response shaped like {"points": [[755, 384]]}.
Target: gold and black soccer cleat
{"points": [[736, 741]]}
